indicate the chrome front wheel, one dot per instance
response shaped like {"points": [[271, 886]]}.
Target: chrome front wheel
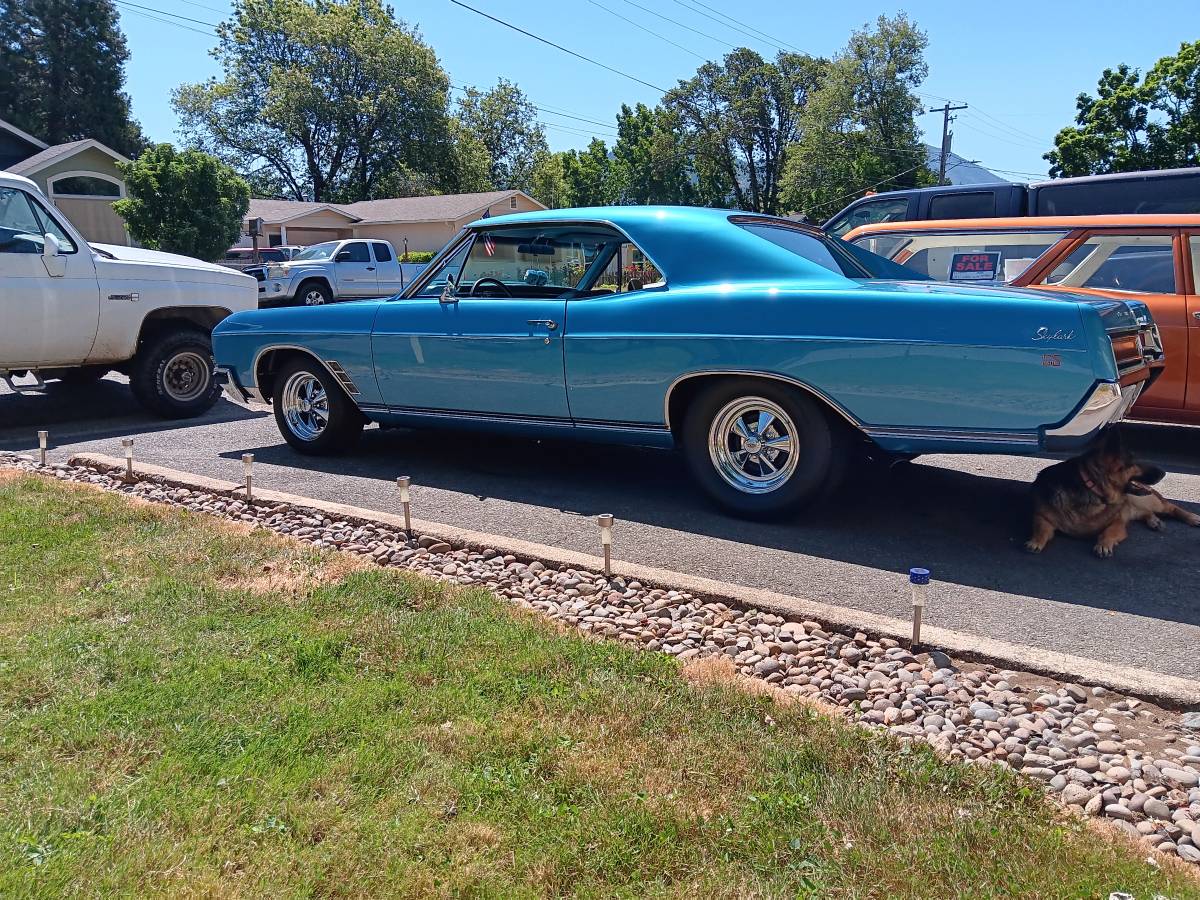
{"points": [[305, 406], [753, 444]]}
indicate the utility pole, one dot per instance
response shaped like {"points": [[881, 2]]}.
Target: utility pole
{"points": [[946, 135]]}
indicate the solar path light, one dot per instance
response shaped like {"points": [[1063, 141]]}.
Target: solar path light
{"points": [[127, 443], [42, 436], [605, 521], [403, 483], [248, 468]]}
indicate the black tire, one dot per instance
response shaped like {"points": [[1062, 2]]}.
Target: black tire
{"points": [[771, 486], [172, 374], [302, 429], [313, 293]]}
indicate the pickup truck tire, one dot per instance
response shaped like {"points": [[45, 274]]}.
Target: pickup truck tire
{"points": [[312, 411], [172, 374], [313, 293], [761, 449]]}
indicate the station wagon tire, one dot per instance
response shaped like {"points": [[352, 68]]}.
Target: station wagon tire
{"points": [[759, 448], [172, 374], [312, 411], [313, 293]]}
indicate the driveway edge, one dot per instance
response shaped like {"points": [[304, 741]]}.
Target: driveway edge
{"points": [[1168, 690]]}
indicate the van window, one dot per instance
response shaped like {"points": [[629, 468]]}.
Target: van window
{"points": [[932, 253], [963, 205], [1140, 263], [885, 209], [1174, 194]]}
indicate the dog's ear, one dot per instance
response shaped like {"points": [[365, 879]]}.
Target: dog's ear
{"points": [[1151, 475]]}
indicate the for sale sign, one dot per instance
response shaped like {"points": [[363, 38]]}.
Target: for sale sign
{"points": [[975, 266]]}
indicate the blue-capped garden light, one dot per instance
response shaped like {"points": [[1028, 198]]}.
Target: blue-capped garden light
{"points": [[918, 583]]}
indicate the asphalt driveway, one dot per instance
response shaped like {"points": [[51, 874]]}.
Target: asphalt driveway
{"points": [[963, 517]]}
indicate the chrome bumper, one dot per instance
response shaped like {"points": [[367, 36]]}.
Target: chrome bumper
{"points": [[1108, 403]]}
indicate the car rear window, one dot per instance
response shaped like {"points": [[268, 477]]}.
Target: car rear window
{"points": [[804, 245], [383, 253]]}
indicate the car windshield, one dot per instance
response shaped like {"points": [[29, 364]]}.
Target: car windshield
{"points": [[991, 257], [318, 251]]}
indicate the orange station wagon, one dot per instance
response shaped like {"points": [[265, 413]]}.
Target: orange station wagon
{"points": [[1153, 257]]}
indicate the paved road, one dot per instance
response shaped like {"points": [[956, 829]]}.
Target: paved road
{"points": [[961, 516]]}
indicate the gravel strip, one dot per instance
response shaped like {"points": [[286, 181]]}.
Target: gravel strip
{"points": [[1097, 752]]}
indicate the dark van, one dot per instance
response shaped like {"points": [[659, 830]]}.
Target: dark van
{"points": [[1164, 191]]}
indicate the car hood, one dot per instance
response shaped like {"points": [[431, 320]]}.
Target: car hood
{"points": [[119, 261]]}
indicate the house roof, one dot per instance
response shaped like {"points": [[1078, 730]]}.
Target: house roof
{"points": [[39, 161], [438, 208], [23, 135]]}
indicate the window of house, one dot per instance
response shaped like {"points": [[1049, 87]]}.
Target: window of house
{"points": [[86, 186], [512, 202], [383, 253], [1139, 263]]}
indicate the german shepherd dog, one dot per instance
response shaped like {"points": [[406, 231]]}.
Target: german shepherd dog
{"points": [[1099, 494]]}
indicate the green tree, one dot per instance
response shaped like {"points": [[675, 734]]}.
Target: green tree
{"points": [[859, 128], [548, 183], [506, 122], [62, 70], [650, 158], [332, 98], [1135, 123], [185, 202], [590, 175], [739, 117]]}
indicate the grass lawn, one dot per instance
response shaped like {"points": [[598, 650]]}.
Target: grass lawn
{"points": [[191, 709]]}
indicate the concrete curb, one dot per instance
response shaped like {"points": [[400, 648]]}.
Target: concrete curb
{"points": [[1166, 690]]}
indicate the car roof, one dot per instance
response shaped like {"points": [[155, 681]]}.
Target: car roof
{"points": [[11, 179], [1033, 223], [691, 244]]}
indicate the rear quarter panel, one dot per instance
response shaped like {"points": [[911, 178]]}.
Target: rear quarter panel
{"points": [[920, 357]]}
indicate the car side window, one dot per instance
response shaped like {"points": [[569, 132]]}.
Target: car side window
{"points": [[1139, 263], [628, 269], [1194, 240], [383, 253], [894, 209], [23, 224], [355, 252], [450, 267]]}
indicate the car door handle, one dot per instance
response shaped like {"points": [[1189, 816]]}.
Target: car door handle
{"points": [[549, 323], [1196, 315], [370, 268]]}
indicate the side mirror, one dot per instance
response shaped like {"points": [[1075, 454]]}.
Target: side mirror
{"points": [[52, 259], [449, 291], [343, 256]]}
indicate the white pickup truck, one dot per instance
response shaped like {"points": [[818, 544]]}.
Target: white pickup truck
{"points": [[76, 311], [335, 270]]}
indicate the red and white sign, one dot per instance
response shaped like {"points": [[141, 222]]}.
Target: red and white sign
{"points": [[975, 266]]}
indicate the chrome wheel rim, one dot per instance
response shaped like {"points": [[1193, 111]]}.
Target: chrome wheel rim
{"points": [[305, 406], [314, 298], [186, 376], [753, 445]]}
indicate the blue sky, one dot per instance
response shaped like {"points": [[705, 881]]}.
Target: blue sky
{"points": [[1019, 65]]}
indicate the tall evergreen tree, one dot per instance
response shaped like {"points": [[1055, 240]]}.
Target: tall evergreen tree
{"points": [[62, 67]]}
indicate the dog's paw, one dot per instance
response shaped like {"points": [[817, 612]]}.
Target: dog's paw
{"points": [[1104, 551], [1194, 521], [1154, 523], [1034, 547]]}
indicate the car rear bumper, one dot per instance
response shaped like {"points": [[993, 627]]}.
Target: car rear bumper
{"points": [[1108, 403]]}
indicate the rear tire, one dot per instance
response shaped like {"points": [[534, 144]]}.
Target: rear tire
{"points": [[312, 411], [172, 374], [761, 449]]}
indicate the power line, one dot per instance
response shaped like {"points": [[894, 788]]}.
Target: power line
{"points": [[550, 43], [613, 12], [204, 6], [989, 132], [674, 22], [162, 12], [543, 108], [762, 34], [1005, 125], [155, 18]]}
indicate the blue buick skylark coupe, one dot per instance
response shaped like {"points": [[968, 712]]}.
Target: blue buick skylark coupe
{"points": [[764, 349]]}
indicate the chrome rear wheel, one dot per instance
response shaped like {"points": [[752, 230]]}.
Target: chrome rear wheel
{"points": [[753, 444]]}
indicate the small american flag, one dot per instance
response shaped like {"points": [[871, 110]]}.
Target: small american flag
{"points": [[489, 245]]}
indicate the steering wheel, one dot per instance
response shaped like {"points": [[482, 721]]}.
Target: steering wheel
{"points": [[489, 282]]}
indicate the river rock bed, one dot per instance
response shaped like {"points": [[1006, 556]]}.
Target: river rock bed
{"points": [[1100, 753]]}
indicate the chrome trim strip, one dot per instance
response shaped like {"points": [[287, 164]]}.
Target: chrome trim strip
{"points": [[467, 415], [1105, 404], [753, 374], [1019, 438], [308, 351]]}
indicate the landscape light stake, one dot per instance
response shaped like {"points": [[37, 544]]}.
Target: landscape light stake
{"points": [[127, 443], [248, 467], [605, 521], [42, 435], [918, 582], [403, 483]]}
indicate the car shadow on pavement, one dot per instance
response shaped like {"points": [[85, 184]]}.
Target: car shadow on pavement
{"points": [[101, 409], [969, 528]]}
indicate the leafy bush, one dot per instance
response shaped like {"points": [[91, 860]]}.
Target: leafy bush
{"points": [[418, 256]]}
